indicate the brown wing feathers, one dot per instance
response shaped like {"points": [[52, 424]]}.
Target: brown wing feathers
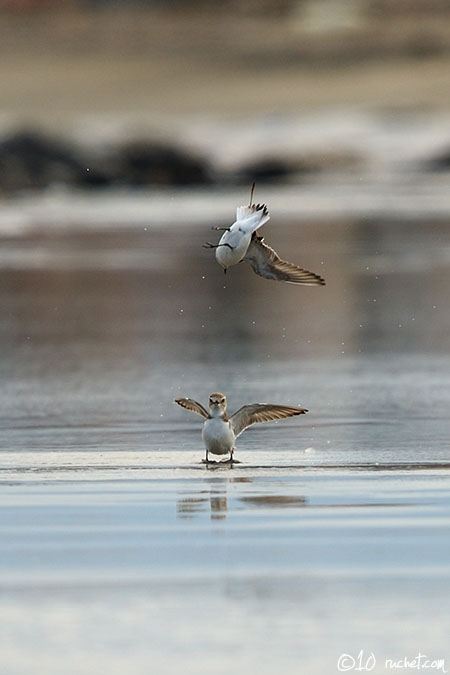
{"points": [[192, 405], [261, 412], [267, 263]]}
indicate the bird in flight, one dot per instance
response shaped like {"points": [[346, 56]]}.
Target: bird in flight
{"points": [[241, 243], [220, 431]]}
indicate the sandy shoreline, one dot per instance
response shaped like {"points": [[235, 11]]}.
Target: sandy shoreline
{"points": [[53, 91], [154, 65]]}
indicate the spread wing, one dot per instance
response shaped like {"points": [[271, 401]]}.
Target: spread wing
{"points": [[261, 412], [192, 405], [269, 265]]}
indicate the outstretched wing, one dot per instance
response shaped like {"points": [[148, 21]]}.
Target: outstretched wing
{"points": [[261, 412], [192, 405], [269, 265]]}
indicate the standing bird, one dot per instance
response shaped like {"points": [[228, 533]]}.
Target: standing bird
{"points": [[241, 243], [220, 431]]}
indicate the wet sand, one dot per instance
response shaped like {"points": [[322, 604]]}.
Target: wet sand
{"points": [[113, 567]]}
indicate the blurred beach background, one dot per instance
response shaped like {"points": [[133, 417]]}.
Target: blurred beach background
{"points": [[127, 130]]}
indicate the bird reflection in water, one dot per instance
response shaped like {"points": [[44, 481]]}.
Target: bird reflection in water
{"points": [[215, 500]]}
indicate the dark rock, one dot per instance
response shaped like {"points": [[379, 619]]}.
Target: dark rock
{"points": [[439, 163], [270, 170], [33, 160], [30, 159], [147, 163], [101, 169]]}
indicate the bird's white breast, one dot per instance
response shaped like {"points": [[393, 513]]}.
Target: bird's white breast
{"points": [[239, 241], [218, 436]]}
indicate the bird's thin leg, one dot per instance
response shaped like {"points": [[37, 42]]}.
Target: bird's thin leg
{"points": [[220, 229], [251, 193], [207, 460], [208, 245], [231, 455]]}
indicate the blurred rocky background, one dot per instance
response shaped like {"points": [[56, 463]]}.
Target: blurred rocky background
{"points": [[122, 93]]}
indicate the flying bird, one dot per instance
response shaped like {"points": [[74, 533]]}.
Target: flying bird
{"points": [[220, 431], [241, 243]]}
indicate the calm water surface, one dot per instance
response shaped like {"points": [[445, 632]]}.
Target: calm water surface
{"points": [[121, 552]]}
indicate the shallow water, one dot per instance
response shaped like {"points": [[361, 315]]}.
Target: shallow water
{"points": [[121, 551]]}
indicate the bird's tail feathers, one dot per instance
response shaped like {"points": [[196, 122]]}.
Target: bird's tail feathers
{"points": [[258, 213]]}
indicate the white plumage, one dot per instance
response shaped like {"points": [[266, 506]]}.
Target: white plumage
{"points": [[234, 243]]}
